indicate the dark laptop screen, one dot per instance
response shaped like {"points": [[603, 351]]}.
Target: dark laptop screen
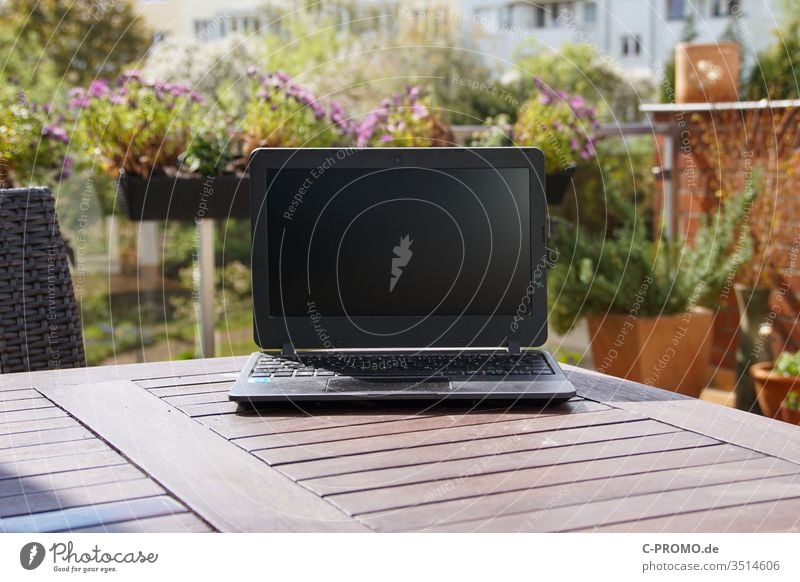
{"points": [[398, 242]]}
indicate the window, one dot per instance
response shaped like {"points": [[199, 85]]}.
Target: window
{"points": [[631, 45], [724, 7], [539, 16], [589, 12], [562, 13], [675, 9], [505, 15]]}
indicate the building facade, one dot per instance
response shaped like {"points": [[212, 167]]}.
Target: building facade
{"points": [[637, 34]]}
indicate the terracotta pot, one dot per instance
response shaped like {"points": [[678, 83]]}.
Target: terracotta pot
{"points": [[771, 388], [790, 416], [706, 72], [671, 351]]}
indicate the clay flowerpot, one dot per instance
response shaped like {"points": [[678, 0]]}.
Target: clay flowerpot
{"points": [[706, 73], [771, 388], [790, 416], [671, 351]]}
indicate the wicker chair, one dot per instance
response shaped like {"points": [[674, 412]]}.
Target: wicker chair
{"points": [[40, 326]]}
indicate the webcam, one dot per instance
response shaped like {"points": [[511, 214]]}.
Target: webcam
{"points": [[398, 159]]}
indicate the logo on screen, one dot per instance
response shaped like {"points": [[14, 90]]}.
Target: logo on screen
{"points": [[402, 255]]}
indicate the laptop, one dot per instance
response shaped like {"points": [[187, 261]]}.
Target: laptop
{"points": [[399, 273]]}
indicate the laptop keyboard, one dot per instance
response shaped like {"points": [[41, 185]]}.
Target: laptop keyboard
{"points": [[419, 365]]}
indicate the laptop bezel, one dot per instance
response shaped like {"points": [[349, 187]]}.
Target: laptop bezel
{"points": [[484, 331]]}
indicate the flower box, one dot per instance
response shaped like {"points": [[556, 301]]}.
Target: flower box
{"points": [[556, 184], [184, 199]]}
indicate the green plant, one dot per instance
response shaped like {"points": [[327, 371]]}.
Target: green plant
{"points": [[562, 125], [581, 69], [407, 119], [83, 38], [792, 401], [141, 127], [625, 272], [787, 364], [33, 144], [774, 72], [282, 113], [496, 134]]}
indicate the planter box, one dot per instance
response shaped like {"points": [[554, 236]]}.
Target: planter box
{"points": [[771, 388], [184, 199], [556, 184], [671, 352]]}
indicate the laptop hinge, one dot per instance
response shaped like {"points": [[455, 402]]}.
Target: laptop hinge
{"points": [[513, 347], [287, 350]]}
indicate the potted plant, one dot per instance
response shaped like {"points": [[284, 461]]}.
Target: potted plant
{"points": [[647, 302], [33, 143], [407, 119], [563, 127], [775, 381], [790, 408], [158, 139]]}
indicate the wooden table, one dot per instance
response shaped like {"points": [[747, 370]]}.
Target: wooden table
{"points": [[158, 447]]}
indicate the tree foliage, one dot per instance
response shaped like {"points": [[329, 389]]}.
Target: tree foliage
{"points": [[82, 39]]}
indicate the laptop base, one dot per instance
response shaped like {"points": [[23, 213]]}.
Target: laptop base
{"points": [[551, 388]]}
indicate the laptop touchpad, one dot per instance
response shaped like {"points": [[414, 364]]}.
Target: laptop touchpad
{"points": [[366, 384]]}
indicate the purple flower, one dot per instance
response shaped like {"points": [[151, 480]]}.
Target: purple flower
{"points": [[414, 92], [283, 77], [55, 132], [98, 88], [574, 145], [545, 99], [132, 75], [418, 110], [117, 100], [66, 169], [195, 97], [385, 137], [576, 102], [252, 71], [78, 103]]}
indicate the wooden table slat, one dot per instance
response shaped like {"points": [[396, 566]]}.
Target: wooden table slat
{"points": [[442, 470], [466, 450], [41, 425], [10, 406], [210, 388], [79, 496], [92, 515], [417, 424], [618, 510], [762, 517], [69, 479], [30, 452], [237, 493], [473, 484], [31, 415], [584, 493], [457, 434], [22, 394], [49, 465], [51, 437], [234, 426], [178, 523]]}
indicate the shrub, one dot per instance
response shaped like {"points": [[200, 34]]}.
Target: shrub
{"points": [[599, 274], [33, 143]]}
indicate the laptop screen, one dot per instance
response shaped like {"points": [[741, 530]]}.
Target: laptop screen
{"points": [[405, 241]]}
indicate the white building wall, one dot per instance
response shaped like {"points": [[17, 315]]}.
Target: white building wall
{"points": [[611, 24]]}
